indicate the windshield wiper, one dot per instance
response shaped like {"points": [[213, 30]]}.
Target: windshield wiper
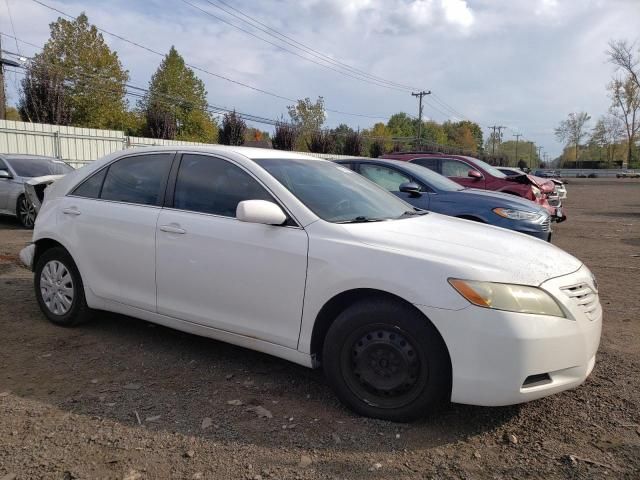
{"points": [[363, 219], [413, 213]]}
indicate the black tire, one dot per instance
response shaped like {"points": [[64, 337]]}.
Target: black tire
{"points": [[25, 212], [385, 360], [70, 312]]}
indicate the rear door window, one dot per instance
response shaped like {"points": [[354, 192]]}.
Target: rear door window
{"points": [[430, 163], [91, 187], [387, 178], [137, 179], [454, 168]]}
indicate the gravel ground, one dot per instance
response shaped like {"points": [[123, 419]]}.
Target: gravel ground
{"points": [[121, 398]]}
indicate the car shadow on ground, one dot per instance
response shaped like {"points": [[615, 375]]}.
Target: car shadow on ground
{"points": [[7, 222], [148, 376]]}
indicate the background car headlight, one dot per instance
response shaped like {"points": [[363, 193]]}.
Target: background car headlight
{"points": [[504, 296], [517, 214]]}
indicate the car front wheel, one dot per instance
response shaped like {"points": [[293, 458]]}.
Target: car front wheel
{"points": [[59, 289], [385, 360], [25, 212]]}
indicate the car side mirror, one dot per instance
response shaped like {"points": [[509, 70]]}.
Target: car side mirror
{"points": [[260, 211], [474, 174], [5, 174], [412, 188]]}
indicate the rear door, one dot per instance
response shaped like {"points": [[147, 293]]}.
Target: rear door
{"points": [[111, 219]]}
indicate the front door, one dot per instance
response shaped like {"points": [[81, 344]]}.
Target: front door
{"points": [[458, 171], [390, 179], [217, 271]]}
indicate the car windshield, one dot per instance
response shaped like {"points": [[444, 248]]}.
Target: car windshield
{"points": [[431, 178], [335, 193], [38, 167], [490, 168]]}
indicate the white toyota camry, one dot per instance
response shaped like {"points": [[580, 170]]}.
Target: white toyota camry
{"points": [[311, 262]]}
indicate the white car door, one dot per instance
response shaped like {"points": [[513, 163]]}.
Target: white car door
{"points": [[215, 270], [111, 221]]}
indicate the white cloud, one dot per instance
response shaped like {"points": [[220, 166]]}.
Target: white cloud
{"points": [[457, 12]]}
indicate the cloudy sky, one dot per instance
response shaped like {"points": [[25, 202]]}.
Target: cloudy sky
{"points": [[524, 64]]}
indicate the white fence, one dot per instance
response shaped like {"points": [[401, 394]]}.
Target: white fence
{"points": [[77, 146]]}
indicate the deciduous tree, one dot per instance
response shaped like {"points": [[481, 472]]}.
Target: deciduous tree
{"points": [[77, 77], [285, 136], [573, 130], [625, 97]]}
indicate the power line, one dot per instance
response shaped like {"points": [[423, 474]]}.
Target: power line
{"points": [[254, 23], [13, 27]]}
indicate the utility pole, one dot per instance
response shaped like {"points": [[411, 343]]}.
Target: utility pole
{"points": [[531, 156], [517, 135], [539, 157], [493, 138], [420, 95], [3, 100]]}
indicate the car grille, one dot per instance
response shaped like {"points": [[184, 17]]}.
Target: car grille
{"points": [[585, 297], [546, 225]]}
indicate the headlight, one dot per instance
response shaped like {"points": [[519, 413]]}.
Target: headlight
{"points": [[517, 214], [536, 191], [504, 296]]}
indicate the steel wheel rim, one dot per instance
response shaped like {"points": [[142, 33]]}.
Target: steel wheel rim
{"points": [[56, 287], [383, 367], [27, 212]]}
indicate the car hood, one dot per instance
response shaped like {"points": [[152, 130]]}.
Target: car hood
{"points": [[545, 185], [468, 249], [494, 199]]}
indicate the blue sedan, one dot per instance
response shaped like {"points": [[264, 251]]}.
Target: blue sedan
{"points": [[428, 190]]}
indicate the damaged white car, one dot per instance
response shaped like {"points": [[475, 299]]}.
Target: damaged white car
{"points": [[23, 179]]}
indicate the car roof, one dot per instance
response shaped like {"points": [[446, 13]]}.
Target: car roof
{"points": [[249, 152], [21, 156]]}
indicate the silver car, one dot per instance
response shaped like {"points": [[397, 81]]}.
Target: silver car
{"points": [[15, 172]]}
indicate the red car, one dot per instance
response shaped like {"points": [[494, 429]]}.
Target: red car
{"points": [[473, 173]]}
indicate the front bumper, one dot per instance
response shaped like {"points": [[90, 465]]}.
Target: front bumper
{"points": [[27, 255], [498, 357]]}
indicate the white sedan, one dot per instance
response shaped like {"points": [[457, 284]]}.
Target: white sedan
{"points": [[310, 262]]}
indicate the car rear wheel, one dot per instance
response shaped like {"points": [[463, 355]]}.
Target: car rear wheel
{"points": [[385, 360], [59, 289], [25, 212]]}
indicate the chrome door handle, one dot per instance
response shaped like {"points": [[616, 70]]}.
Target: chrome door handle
{"points": [[172, 229], [71, 211]]}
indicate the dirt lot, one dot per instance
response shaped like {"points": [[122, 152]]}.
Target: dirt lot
{"points": [[121, 398]]}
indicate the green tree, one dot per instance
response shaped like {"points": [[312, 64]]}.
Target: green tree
{"points": [[340, 133], [307, 117], [175, 105], [77, 63], [233, 130], [401, 125], [12, 113], [605, 135], [432, 132], [44, 96]]}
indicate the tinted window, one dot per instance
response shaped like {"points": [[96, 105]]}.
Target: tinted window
{"points": [[137, 179], [454, 168], [430, 163], [38, 167], [3, 166], [333, 192], [490, 169], [387, 178], [211, 185], [430, 178], [90, 188]]}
